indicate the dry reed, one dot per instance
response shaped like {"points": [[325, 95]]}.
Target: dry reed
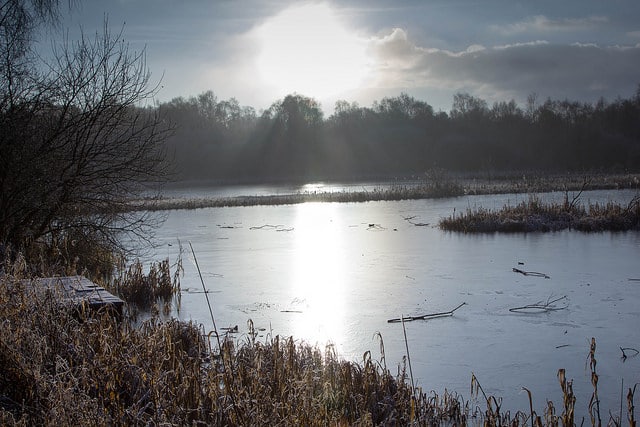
{"points": [[142, 290]]}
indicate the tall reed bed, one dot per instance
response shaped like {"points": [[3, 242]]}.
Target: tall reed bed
{"points": [[142, 291]]}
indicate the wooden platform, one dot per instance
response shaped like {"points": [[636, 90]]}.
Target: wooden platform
{"points": [[76, 290]]}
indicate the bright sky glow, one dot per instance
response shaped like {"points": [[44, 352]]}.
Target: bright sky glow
{"points": [[306, 49]]}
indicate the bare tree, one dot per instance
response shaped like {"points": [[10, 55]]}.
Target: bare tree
{"points": [[76, 141]]}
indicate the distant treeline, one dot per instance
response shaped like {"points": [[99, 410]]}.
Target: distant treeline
{"points": [[398, 137]]}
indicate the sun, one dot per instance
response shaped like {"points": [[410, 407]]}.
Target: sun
{"points": [[308, 50]]}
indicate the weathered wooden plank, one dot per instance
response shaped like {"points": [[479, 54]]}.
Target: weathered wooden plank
{"points": [[77, 290]]}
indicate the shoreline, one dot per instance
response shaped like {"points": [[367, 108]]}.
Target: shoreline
{"points": [[407, 190]]}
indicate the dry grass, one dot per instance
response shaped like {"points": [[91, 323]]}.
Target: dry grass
{"points": [[534, 215]]}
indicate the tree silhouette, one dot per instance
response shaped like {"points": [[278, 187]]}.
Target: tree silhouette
{"points": [[403, 137], [76, 142]]}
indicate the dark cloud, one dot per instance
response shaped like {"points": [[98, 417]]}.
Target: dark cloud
{"points": [[575, 71]]}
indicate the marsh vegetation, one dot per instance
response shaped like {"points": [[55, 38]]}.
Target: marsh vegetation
{"points": [[435, 183], [535, 215]]}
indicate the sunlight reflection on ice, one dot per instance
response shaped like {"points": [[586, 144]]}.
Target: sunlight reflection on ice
{"points": [[319, 276]]}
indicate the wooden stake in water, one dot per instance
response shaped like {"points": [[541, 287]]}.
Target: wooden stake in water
{"points": [[406, 344], [215, 330], [206, 294]]}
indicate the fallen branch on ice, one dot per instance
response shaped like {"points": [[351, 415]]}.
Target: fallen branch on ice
{"points": [[410, 219], [625, 355], [541, 307], [530, 273], [425, 316], [272, 227]]}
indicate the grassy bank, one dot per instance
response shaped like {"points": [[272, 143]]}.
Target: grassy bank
{"points": [[440, 185], [396, 192], [534, 215]]}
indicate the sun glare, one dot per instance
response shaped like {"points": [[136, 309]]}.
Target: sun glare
{"points": [[319, 277], [308, 50]]}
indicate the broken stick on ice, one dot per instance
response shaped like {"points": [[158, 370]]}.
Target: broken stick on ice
{"points": [[530, 273], [425, 316], [541, 307]]}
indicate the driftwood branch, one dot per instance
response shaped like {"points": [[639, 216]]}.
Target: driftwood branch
{"points": [[540, 307], [531, 273], [425, 316], [373, 226], [410, 219], [624, 352], [272, 227]]}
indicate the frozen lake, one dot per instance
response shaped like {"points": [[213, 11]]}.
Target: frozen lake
{"points": [[335, 273]]}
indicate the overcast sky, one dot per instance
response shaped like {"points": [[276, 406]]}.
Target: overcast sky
{"points": [[363, 50]]}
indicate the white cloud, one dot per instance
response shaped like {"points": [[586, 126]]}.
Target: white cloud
{"points": [[394, 50], [541, 23], [475, 48], [517, 45]]}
